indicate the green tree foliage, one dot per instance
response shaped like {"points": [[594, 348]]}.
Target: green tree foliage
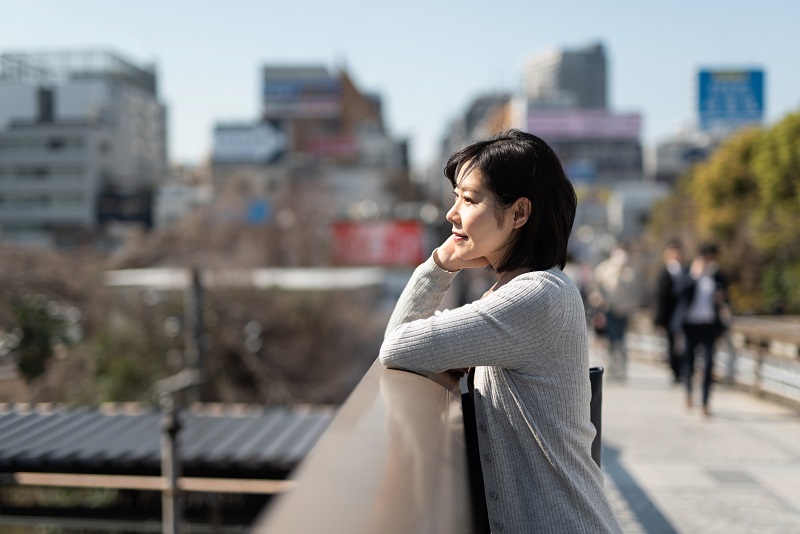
{"points": [[746, 198], [777, 164], [39, 331], [776, 219], [725, 188]]}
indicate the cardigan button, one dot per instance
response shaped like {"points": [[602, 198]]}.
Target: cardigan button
{"points": [[483, 427], [498, 525], [493, 495], [487, 458]]}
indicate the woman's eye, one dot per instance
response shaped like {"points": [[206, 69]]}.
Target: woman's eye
{"points": [[466, 199]]}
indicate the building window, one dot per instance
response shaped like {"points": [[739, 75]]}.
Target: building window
{"points": [[46, 105], [55, 144]]}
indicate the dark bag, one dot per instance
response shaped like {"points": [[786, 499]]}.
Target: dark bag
{"points": [[480, 514]]}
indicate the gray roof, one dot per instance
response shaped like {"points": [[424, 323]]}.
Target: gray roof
{"points": [[257, 443]]}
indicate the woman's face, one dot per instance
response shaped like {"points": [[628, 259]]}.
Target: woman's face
{"points": [[477, 231]]}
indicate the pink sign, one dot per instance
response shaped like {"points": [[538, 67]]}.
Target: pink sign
{"points": [[567, 124]]}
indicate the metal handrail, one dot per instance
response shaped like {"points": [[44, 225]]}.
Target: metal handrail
{"points": [[392, 461], [766, 329], [764, 355]]}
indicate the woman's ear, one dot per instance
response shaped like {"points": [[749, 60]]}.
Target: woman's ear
{"points": [[522, 211]]}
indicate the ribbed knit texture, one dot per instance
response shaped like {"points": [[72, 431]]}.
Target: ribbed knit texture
{"points": [[528, 343]]}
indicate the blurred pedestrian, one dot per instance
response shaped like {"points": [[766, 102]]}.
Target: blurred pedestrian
{"points": [[702, 308], [524, 339], [668, 288], [616, 299]]}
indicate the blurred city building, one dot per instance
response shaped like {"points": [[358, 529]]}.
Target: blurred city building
{"points": [[175, 200], [673, 156], [564, 101], [82, 146], [628, 207], [317, 160], [568, 78]]}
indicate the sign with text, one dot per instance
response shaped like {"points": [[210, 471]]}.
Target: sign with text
{"points": [[729, 99], [385, 243]]}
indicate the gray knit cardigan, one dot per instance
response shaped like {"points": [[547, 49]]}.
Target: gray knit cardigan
{"points": [[527, 341]]}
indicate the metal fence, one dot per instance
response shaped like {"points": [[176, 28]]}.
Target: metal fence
{"points": [[759, 353]]}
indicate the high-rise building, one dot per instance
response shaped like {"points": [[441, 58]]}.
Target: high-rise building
{"points": [[565, 101], [568, 78], [82, 145]]}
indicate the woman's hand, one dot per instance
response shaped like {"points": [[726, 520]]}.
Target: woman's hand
{"points": [[446, 258]]}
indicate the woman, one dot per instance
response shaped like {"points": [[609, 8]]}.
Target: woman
{"points": [[525, 338]]}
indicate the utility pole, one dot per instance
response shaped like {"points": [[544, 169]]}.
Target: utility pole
{"points": [[194, 356]]}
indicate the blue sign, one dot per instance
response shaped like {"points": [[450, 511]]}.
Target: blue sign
{"points": [[259, 212], [730, 99], [580, 171]]}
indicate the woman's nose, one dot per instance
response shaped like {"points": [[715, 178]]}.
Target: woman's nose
{"points": [[452, 213]]}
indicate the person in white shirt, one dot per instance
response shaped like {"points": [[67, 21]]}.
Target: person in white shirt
{"points": [[703, 295]]}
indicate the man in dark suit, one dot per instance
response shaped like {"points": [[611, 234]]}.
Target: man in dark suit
{"points": [[667, 293]]}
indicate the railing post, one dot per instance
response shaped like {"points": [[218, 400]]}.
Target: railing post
{"points": [[762, 347], [171, 514], [732, 355]]}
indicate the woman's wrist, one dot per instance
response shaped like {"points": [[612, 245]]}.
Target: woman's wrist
{"points": [[437, 259]]}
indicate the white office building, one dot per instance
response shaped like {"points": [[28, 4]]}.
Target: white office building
{"points": [[82, 145]]}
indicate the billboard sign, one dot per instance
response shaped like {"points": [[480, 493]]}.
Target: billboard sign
{"points": [[300, 93], [729, 99], [580, 124], [384, 243]]}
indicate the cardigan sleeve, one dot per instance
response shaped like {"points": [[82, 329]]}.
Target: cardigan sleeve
{"points": [[422, 295], [504, 329]]}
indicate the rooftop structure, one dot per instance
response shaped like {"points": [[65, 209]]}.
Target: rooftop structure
{"points": [[59, 67]]}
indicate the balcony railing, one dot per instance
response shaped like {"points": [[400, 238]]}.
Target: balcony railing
{"points": [[392, 461], [763, 354]]}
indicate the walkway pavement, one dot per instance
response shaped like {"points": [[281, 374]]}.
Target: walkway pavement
{"points": [[673, 470]]}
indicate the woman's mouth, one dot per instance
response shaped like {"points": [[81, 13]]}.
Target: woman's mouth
{"points": [[459, 237]]}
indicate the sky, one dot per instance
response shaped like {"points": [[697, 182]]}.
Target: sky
{"points": [[426, 58]]}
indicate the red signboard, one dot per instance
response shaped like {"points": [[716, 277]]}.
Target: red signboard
{"points": [[386, 243]]}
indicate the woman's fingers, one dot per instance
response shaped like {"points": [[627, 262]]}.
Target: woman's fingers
{"points": [[447, 258]]}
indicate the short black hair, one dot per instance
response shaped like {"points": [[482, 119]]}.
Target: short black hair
{"points": [[674, 243], [709, 250], [513, 165]]}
